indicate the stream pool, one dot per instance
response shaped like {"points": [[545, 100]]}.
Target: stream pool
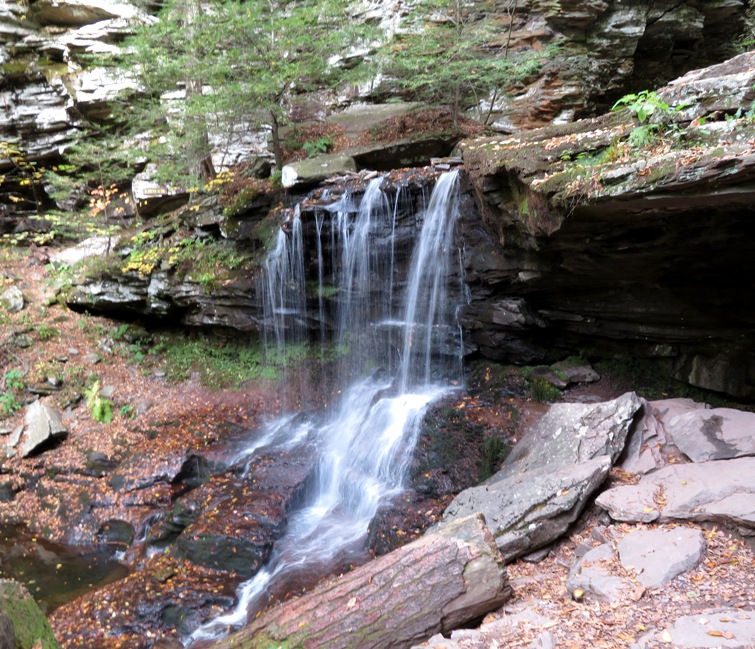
{"points": [[54, 574]]}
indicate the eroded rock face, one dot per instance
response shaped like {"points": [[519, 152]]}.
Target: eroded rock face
{"points": [[623, 248]]}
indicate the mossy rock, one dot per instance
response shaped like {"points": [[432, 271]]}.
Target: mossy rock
{"points": [[22, 619]]}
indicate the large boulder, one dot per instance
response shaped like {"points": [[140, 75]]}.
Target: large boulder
{"points": [[532, 509], [43, 424], [650, 445], [717, 434], [573, 433], [311, 171], [549, 476]]}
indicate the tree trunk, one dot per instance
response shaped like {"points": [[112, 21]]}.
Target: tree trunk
{"points": [[433, 585], [199, 151], [276, 138]]}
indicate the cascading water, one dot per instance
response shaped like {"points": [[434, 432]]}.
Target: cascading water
{"points": [[391, 362]]}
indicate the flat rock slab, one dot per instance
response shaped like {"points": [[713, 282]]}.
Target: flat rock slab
{"points": [[718, 434], [313, 170], [531, 509], [720, 490], [731, 628], [92, 247], [593, 574], [572, 433], [657, 556]]}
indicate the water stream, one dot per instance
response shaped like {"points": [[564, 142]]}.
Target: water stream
{"points": [[397, 356]]}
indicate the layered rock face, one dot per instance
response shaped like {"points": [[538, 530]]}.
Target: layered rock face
{"points": [[603, 49], [602, 242], [606, 49]]}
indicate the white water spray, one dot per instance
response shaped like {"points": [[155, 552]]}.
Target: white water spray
{"points": [[366, 443]]}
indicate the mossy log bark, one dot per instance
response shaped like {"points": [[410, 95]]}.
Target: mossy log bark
{"points": [[433, 585]]}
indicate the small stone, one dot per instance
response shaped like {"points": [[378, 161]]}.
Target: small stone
{"points": [[12, 299], [23, 342], [72, 351], [92, 358], [107, 391]]}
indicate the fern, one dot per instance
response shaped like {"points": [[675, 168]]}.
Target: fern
{"points": [[101, 408]]}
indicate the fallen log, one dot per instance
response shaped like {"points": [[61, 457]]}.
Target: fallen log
{"points": [[431, 586]]}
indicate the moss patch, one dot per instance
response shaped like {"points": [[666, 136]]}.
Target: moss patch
{"points": [[29, 624]]}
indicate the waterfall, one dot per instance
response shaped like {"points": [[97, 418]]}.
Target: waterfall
{"points": [[394, 365]]}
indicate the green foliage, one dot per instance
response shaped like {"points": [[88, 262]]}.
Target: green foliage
{"points": [[47, 332], [219, 364], [494, 451], [14, 379], [127, 411], [100, 407], [643, 104], [643, 136], [241, 63], [543, 391], [8, 404], [453, 56], [320, 145]]}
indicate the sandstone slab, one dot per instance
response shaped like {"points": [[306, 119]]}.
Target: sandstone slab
{"points": [[720, 490], [650, 445], [717, 434], [313, 170], [730, 628], [91, 247], [528, 510], [657, 556], [572, 433]]}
